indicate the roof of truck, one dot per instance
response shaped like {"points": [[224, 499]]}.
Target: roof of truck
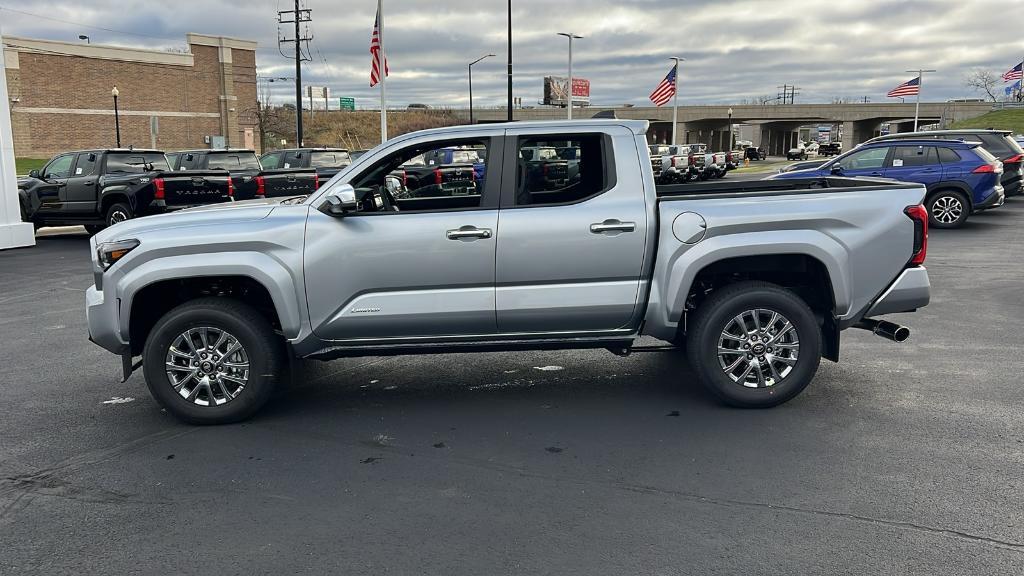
{"points": [[636, 126]]}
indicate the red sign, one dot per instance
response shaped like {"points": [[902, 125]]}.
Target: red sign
{"points": [[580, 88]]}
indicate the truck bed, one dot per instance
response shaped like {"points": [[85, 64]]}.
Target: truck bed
{"points": [[772, 187]]}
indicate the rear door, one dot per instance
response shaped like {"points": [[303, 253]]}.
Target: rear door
{"points": [[570, 252], [81, 188], [914, 164]]}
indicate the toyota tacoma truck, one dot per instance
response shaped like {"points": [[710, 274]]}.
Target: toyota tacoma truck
{"points": [[248, 175], [753, 280], [99, 188], [326, 161]]}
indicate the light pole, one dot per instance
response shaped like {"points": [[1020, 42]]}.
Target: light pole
{"points": [[730, 130], [117, 116], [86, 38], [471, 84], [675, 95], [571, 37], [509, 61]]}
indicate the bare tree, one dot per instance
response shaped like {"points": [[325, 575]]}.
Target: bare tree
{"points": [[981, 80]]}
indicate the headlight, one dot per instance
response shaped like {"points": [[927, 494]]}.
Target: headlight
{"points": [[110, 252]]}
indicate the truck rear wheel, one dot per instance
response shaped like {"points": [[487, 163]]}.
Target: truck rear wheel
{"points": [[212, 361], [754, 344]]}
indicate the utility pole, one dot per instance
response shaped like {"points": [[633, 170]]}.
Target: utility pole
{"points": [[509, 60], [298, 16], [571, 37]]}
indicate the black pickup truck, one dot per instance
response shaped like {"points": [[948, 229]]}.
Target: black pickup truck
{"points": [[326, 161], [249, 177], [99, 188]]}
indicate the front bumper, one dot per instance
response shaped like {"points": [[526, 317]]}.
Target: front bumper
{"points": [[993, 201], [103, 318], [912, 290]]}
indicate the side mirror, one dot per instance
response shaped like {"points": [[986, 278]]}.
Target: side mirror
{"points": [[34, 174], [837, 169], [339, 201]]}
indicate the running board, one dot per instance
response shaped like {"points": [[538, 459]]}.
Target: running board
{"points": [[627, 350]]}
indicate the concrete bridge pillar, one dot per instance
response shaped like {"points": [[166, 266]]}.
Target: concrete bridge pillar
{"points": [[855, 133]]}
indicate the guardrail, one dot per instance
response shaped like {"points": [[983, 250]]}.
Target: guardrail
{"points": [[1007, 105]]}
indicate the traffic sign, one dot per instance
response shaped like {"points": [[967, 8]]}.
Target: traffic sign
{"points": [[347, 103]]}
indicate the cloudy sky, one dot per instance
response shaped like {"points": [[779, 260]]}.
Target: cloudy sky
{"points": [[735, 50]]}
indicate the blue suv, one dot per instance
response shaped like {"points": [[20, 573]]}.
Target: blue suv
{"points": [[962, 177]]}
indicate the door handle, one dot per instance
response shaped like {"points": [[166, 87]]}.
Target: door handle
{"points": [[89, 182], [612, 226], [469, 232]]}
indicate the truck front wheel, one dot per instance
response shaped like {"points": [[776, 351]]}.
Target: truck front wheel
{"points": [[212, 361], [754, 344]]}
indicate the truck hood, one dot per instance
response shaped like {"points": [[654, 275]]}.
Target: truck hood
{"points": [[213, 214]]}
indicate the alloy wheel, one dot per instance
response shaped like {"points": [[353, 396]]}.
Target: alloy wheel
{"points": [[207, 366], [947, 209], [758, 348]]}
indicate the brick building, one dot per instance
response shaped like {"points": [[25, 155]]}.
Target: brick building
{"points": [[60, 95]]}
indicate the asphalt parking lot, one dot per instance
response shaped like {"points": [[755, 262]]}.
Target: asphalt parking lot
{"points": [[903, 459]]}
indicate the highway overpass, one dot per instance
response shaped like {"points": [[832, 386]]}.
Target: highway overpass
{"points": [[775, 127]]}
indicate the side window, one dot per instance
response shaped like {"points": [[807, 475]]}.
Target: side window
{"points": [[86, 164], [948, 156], [561, 169], [59, 167], [292, 159], [865, 159], [271, 161], [188, 161], [172, 160], [404, 182], [910, 156]]}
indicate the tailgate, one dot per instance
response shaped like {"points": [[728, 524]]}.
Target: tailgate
{"points": [[288, 182], [191, 187]]}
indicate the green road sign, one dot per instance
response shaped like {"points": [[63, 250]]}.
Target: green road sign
{"points": [[347, 103]]}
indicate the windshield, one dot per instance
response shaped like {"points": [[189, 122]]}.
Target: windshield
{"points": [[234, 161], [136, 163], [337, 159]]}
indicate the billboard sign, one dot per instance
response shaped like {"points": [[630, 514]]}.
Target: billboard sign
{"points": [[556, 90]]}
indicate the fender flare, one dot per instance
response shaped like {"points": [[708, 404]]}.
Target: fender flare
{"points": [[284, 290], [950, 185]]}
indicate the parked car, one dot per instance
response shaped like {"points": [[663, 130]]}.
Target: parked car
{"points": [[797, 152], [249, 177], [703, 166], [99, 188], [802, 165], [755, 280], [999, 143], [830, 149], [755, 153], [326, 161], [961, 177], [671, 163]]}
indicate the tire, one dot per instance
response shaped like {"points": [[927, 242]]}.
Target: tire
{"points": [[948, 209], [118, 212], [208, 402], [783, 374]]}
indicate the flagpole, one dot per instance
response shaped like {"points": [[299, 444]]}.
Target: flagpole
{"points": [[383, 66], [917, 106], [675, 97]]}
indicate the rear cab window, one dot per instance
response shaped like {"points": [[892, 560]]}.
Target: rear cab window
{"points": [[338, 159], [129, 163], [233, 161]]}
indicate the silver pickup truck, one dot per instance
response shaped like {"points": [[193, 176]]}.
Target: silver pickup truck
{"points": [[752, 280]]}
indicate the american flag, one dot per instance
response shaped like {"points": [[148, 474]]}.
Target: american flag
{"points": [[909, 88], [375, 51], [666, 90], [1014, 73]]}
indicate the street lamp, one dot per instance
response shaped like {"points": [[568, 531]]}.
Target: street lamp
{"points": [[571, 37], [730, 129], [84, 37], [117, 117], [471, 85]]}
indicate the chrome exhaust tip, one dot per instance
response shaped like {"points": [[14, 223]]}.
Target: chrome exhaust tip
{"points": [[888, 330]]}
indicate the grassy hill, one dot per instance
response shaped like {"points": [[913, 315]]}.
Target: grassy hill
{"points": [[998, 119]]}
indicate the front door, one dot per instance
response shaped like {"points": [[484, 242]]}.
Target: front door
{"points": [[55, 174], [416, 260], [571, 233]]}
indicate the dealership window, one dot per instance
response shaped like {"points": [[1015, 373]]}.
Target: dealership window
{"points": [[560, 169], [445, 175]]}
